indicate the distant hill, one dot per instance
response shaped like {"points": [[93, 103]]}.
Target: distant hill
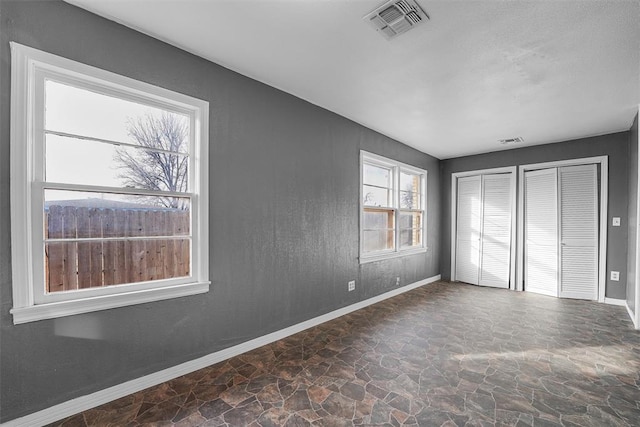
{"points": [[95, 203]]}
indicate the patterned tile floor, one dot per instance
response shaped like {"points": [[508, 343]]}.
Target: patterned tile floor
{"points": [[441, 355]]}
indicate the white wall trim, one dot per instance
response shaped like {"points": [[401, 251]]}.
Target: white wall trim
{"points": [[603, 161], [615, 301], [636, 316], [631, 315], [83, 403], [104, 302], [454, 206]]}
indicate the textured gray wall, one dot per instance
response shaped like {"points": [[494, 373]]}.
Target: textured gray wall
{"points": [[613, 145], [283, 219], [633, 215]]}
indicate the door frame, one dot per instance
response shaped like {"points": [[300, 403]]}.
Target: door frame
{"points": [[635, 314], [511, 170], [603, 161]]}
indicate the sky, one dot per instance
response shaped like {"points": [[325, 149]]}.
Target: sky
{"points": [[85, 113]]}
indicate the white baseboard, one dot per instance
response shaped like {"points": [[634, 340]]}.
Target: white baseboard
{"points": [[83, 403], [632, 315], [615, 301]]}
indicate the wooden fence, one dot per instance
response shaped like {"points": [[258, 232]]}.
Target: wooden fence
{"points": [[90, 264]]}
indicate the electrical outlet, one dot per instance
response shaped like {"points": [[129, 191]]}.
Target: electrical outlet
{"points": [[398, 281], [616, 221], [615, 276], [352, 285]]}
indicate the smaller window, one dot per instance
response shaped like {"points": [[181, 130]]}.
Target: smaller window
{"points": [[392, 208]]}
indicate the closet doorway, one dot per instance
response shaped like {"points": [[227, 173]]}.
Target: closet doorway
{"points": [[562, 228], [483, 227]]}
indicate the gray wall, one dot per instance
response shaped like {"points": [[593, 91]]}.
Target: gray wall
{"points": [[614, 145], [283, 219], [633, 215]]}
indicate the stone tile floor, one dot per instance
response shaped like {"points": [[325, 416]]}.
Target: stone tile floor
{"points": [[442, 355]]}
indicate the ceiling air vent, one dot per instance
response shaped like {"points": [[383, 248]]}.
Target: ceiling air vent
{"points": [[396, 17], [511, 140]]}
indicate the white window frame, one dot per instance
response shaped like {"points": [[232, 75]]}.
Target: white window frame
{"points": [[396, 168], [29, 70]]}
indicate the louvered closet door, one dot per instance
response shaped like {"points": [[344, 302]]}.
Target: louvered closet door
{"points": [[468, 230], [541, 232], [495, 242], [578, 232]]}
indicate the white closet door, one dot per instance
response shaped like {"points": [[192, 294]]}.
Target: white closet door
{"points": [[578, 232], [495, 243], [541, 232], [468, 230]]}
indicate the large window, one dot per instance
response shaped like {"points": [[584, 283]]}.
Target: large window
{"points": [[108, 189], [392, 208]]}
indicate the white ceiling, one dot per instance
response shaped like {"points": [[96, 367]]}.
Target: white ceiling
{"points": [[477, 72]]}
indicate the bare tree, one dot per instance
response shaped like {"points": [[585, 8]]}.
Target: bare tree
{"points": [[157, 167], [368, 198], [407, 197]]}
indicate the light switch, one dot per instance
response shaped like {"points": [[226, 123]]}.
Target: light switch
{"points": [[616, 221]]}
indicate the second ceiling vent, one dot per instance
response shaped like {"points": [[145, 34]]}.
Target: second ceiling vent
{"points": [[508, 141], [396, 17]]}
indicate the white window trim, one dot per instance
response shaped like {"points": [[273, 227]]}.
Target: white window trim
{"points": [[26, 65], [396, 167]]}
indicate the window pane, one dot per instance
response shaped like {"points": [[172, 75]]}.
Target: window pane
{"points": [[377, 219], [392, 207], [410, 219], [377, 240], [375, 196], [376, 175], [77, 214], [80, 265], [411, 238], [409, 182], [79, 161], [82, 112], [409, 200]]}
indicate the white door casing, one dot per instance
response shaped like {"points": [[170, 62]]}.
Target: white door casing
{"points": [[561, 245], [603, 163], [482, 227]]}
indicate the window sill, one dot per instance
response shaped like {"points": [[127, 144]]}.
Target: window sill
{"points": [[87, 305], [373, 258]]}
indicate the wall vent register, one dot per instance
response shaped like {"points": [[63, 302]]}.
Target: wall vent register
{"points": [[396, 17], [508, 141]]}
